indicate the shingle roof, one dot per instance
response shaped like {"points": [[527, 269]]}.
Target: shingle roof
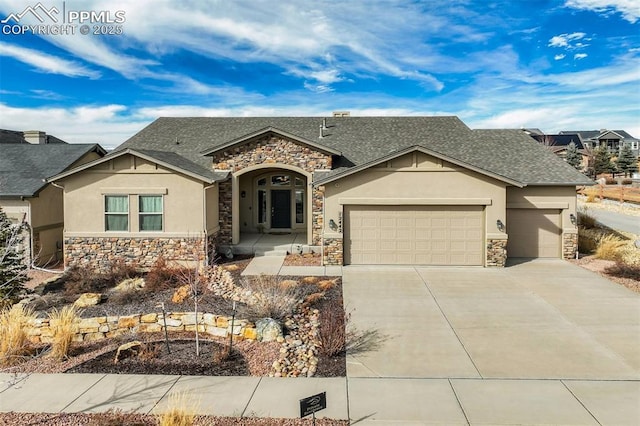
{"points": [[508, 153], [14, 136], [593, 134], [560, 141], [23, 167]]}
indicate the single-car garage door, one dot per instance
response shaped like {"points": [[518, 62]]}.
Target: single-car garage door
{"points": [[414, 235], [534, 233]]}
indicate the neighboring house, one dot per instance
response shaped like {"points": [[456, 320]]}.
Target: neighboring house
{"points": [[361, 190], [558, 144], [613, 140], [26, 160]]}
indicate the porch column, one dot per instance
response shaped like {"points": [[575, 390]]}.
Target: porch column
{"points": [[235, 209]]}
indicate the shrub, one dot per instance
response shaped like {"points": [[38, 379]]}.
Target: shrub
{"points": [[586, 220], [162, 276], [181, 411], [586, 243], [64, 323], [609, 248], [332, 332], [271, 299], [13, 338]]}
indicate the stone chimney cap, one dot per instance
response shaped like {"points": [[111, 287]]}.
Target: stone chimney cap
{"points": [[35, 137], [341, 113]]}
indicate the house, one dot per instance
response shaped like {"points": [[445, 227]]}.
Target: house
{"points": [[360, 190], [26, 160], [558, 144], [613, 140]]}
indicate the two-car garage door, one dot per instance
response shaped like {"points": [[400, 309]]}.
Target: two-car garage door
{"points": [[414, 235]]}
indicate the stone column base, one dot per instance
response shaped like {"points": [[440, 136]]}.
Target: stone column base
{"points": [[333, 252], [569, 246], [496, 253]]}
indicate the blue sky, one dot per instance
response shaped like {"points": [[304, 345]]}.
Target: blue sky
{"points": [[551, 64]]}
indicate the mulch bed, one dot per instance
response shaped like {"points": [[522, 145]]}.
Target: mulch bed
{"points": [[306, 259]]}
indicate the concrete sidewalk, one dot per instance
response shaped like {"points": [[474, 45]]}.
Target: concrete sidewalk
{"points": [[221, 396], [273, 265], [363, 400]]}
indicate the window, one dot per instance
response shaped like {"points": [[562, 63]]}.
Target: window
{"points": [[280, 180], [262, 206], [299, 206], [116, 212], [150, 207]]}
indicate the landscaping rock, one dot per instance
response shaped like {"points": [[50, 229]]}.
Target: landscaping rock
{"points": [[130, 284], [88, 299], [268, 330], [128, 349], [181, 294]]}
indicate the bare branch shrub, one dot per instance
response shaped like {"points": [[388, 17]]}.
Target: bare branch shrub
{"points": [[271, 298]]}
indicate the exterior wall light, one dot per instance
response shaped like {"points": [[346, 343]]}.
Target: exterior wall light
{"points": [[332, 224], [500, 225], [573, 218]]}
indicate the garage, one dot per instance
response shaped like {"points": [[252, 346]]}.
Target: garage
{"points": [[534, 233], [414, 235]]}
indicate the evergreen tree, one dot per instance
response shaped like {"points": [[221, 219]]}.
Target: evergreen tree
{"points": [[602, 161], [573, 157], [13, 270], [626, 161]]}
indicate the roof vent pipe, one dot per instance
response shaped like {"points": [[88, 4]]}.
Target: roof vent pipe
{"points": [[324, 123], [321, 132]]}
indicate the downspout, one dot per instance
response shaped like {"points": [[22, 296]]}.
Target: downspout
{"points": [[204, 222], [64, 215]]}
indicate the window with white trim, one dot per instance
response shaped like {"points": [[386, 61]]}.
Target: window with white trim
{"points": [[116, 213], [150, 212]]}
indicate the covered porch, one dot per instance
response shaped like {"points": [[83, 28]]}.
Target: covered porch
{"points": [[274, 243]]}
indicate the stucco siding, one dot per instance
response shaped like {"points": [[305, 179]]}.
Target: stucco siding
{"points": [[183, 201]]}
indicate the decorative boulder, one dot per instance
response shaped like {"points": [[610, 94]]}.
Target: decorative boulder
{"points": [[88, 299], [181, 294], [127, 350], [268, 330], [130, 284]]}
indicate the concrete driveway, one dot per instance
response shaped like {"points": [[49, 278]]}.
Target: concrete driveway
{"points": [[539, 342]]}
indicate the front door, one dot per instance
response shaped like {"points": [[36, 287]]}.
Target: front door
{"points": [[280, 208]]}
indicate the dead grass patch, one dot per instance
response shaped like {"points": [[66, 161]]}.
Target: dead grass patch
{"points": [[14, 342]]}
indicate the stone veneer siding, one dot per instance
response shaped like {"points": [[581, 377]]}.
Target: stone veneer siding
{"points": [[266, 150], [317, 219], [98, 328], [225, 205], [271, 149], [333, 252], [100, 253], [569, 245], [496, 253]]}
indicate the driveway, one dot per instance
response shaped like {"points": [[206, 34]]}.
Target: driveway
{"points": [[539, 342], [615, 220]]}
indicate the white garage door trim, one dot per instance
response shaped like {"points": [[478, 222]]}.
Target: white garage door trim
{"points": [[534, 233], [414, 235]]}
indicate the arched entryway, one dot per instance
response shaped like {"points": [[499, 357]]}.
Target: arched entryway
{"points": [[271, 199]]}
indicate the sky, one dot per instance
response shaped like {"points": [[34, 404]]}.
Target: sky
{"points": [[548, 64]]}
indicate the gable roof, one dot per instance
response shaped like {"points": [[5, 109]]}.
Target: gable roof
{"points": [[170, 160], [509, 154], [24, 167], [596, 134]]}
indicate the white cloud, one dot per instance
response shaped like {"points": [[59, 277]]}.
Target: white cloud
{"points": [[580, 56], [46, 63], [628, 8], [559, 57], [566, 40]]}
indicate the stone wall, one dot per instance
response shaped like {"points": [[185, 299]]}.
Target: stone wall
{"points": [[333, 251], [317, 219], [100, 253], [98, 328], [569, 245], [225, 208], [268, 150], [496, 253]]}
